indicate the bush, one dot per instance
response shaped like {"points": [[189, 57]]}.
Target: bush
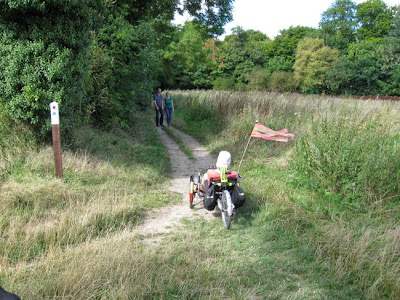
{"points": [[123, 64], [282, 82], [224, 84], [43, 58], [258, 80]]}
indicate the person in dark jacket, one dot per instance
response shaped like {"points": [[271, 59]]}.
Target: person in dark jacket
{"points": [[159, 106]]}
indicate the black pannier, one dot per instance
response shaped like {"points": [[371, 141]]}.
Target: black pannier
{"points": [[238, 197], [210, 200]]}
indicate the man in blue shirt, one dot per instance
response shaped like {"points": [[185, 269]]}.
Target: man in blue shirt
{"points": [[159, 106]]}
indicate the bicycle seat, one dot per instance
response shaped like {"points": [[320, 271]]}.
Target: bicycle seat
{"points": [[215, 174]]}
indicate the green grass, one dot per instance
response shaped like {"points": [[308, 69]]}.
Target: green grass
{"points": [[74, 238], [15, 139], [335, 201], [178, 139]]}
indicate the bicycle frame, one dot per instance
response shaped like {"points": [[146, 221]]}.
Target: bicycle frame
{"points": [[224, 200]]}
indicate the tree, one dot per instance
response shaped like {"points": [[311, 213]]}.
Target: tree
{"points": [[391, 59], [358, 72], [241, 53], [188, 57], [281, 52], [313, 60], [123, 68], [375, 19], [94, 57], [213, 14], [339, 24]]}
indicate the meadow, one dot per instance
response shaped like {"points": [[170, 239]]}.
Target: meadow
{"points": [[321, 219], [333, 191]]}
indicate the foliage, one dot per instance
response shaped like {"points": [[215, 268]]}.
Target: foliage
{"points": [[280, 52], [339, 24], [282, 82], [241, 52], [43, 53], [313, 60], [391, 59], [213, 15], [98, 59], [375, 19], [359, 72], [258, 80], [224, 84], [189, 58], [123, 64]]}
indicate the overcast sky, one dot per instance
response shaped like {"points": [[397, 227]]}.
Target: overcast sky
{"points": [[271, 16]]}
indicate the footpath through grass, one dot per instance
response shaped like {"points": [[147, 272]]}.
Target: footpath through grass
{"points": [[293, 239], [177, 138]]}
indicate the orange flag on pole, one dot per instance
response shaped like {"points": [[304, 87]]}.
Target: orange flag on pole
{"points": [[261, 131]]}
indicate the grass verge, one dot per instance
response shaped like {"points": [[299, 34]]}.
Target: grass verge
{"points": [[111, 179]]}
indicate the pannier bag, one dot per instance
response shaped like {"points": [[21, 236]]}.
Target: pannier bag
{"points": [[210, 201], [238, 197]]}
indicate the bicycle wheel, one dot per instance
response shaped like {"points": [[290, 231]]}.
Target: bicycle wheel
{"points": [[191, 191], [226, 218]]}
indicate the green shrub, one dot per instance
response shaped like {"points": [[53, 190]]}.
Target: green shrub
{"points": [[258, 80], [282, 82], [43, 58], [222, 83], [123, 64]]}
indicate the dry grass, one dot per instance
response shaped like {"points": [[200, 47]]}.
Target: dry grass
{"points": [[369, 256], [57, 235]]}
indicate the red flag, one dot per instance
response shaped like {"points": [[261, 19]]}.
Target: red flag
{"points": [[266, 133]]}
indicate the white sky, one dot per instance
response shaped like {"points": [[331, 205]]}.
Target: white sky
{"points": [[271, 16]]}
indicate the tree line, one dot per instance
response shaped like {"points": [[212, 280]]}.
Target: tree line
{"points": [[101, 59], [355, 50]]}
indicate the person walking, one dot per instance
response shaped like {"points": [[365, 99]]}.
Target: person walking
{"points": [[169, 107], [159, 106]]}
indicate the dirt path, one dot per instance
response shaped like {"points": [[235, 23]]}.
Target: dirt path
{"points": [[167, 219]]}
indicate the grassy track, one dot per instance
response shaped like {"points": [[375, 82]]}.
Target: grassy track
{"points": [[184, 148], [293, 239]]}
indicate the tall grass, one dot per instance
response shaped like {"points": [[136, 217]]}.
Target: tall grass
{"points": [[110, 181], [332, 192], [15, 139]]}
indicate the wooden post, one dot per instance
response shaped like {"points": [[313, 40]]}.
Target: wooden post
{"points": [[55, 128]]}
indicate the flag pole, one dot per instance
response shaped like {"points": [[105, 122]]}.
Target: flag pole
{"points": [[245, 149]]}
